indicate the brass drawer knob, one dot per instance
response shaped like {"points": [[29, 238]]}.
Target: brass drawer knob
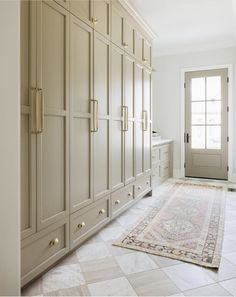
{"points": [[81, 225], [102, 211], [130, 194], [139, 188], [125, 44], [94, 21], [53, 242], [147, 182], [145, 60], [117, 201]]}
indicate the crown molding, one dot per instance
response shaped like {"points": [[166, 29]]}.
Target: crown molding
{"points": [[138, 18]]}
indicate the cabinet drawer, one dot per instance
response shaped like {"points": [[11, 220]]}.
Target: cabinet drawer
{"points": [[165, 170], [156, 170], [84, 222], [155, 155], [165, 153], [42, 250], [142, 186], [121, 199]]}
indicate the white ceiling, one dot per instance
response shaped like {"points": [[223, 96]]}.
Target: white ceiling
{"points": [[189, 25]]}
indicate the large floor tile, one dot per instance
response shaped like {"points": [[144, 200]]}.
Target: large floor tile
{"points": [[135, 262], [152, 283], [164, 261], [116, 250], [111, 233], [89, 252], [211, 290], [34, 289], [226, 271], [62, 277], [114, 287], [75, 291], [188, 276], [100, 270], [230, 286], [231, 257]]}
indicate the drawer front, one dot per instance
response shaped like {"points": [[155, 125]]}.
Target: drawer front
{"points": [[121, 199], [156, 170], [165, 170], [155, 155], [84, 221], [38, 252], [142, 185], [165, 153]]}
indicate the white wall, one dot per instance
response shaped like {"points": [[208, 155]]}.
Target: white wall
{"points": [[167, 94], [9, 148]]}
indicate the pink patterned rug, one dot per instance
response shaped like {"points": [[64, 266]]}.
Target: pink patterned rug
{"points": [[186, 224]]}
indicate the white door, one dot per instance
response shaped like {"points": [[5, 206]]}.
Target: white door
{"points": [[206, 132]]}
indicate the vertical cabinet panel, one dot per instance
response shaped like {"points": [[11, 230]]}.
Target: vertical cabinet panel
{"points": [[102, 136], [138, 91], [52, 142], [117, 26], [139, 149], [101, 16], [129, 85], [147, 110], [81, 46], [129, 36], [139, 46], [28, 139], [82, 9], [147, 53], [117, 147]]}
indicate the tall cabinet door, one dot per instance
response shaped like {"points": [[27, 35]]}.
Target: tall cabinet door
{"points": [[117, 139], [28, 136], [147, 120], [139, 119], [101, 16], [117, 25], [53, 139], [82, 9], [101, 107], [81, 45], [130, 131]]}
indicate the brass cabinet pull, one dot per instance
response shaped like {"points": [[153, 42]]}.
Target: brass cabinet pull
{"points": [[117, 201], [145, 60], [139, 188], [130, 194], [125, 44], [147, 182], [37, 112], [41, 110], [54, 242], [81, 225], [102, 211], [125, 115], [94, 113], [94, 20], [145, 120]]}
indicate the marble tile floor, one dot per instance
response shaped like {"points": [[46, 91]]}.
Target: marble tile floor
{"points": [[99, 269]]}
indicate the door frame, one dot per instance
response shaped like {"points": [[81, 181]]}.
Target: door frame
{"points": [[230, 115]]}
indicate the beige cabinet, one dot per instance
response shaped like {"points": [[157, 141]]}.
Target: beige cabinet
{"points": [[81, 89], [117, 135], [129, 36], [101, 106], [28, 139], [147, 53], [82, 9], [52, 117], [101, 16]]}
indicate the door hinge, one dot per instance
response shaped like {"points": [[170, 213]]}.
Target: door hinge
{"points": [[227, 79], [228, 168], [227, 138], [185, 85], [227, 108]]}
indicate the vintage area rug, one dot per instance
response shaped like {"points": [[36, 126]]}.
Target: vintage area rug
{"points": [[186, 223]]}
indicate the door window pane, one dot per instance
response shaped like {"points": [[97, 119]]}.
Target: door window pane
{"points": [[198, 89], [214, 137], [198, 113], [198, 137], [214, 112], [214, 88]]}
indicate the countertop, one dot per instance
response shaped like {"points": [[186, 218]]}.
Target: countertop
{"points": [[158, 142]]}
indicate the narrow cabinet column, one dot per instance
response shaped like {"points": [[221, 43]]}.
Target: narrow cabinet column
{"points": [[130, 129], [101, 108], [139, 119], [81, 144], [101, 16], [83, 9], [52, 115], [28, 136], [147, 120], [119, 118]]}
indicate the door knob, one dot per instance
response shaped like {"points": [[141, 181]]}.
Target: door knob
{"points": [[94, 21], [117, 201], [139, 188], [102, 211], [130, 194], [81, 225], [53, 242], [125, 44]]}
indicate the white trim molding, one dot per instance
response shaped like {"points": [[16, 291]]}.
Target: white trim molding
{"points": [[231, 174]]}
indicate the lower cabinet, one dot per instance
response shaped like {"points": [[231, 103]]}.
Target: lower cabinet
{"points": [[122, 199], [142, 187]]}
